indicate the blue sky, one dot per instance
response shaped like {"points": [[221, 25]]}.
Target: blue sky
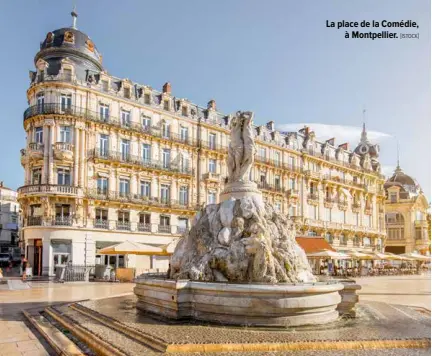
{"points": [[276, 58]]}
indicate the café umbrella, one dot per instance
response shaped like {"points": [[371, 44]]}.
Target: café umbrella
{"points": [[133, 248], [328, 254]]}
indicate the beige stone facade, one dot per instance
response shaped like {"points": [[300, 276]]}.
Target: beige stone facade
{"points": [[109, 160], [407, 216]]}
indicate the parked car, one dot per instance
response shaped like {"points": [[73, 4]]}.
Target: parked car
{"points": [[4, 259]]}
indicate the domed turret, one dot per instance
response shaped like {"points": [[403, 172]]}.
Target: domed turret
{"points": [[72, 44]]}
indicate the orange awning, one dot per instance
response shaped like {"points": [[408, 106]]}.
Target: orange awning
{"points": [[313, 244]]}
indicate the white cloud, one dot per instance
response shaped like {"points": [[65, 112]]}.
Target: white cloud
{"points": [[350, 134]]}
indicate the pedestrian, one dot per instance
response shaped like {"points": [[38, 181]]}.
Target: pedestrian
{"points": [[24, 267]]}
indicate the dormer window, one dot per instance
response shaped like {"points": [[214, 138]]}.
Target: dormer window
{"points": [[184, 111], [393, 197], [166, 105], [67, 74], [147, 98], [104, 85], [127, 92]]}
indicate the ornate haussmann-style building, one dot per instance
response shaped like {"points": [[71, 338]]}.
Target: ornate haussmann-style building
{"points": [[407, 216], [9, 218], [109, 160]]}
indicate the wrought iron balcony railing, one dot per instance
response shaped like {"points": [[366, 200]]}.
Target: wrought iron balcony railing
{"points": [[138, 161], [164, 228], [144, 227], [123, 225], [34, 221], [270, 187], [101, 224], [62, 221], [36, 146]]}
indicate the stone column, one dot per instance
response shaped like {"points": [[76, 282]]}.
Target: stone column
{"points": [[173, 190], [46, 141], [51, 177], [76, 157], [155, 187], [134, 183], [82, 159]]}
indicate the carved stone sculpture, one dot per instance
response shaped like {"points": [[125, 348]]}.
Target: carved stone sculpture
{"points": [[240, 239]]}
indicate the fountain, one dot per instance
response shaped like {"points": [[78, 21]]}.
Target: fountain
{"points": [[240, 263]]}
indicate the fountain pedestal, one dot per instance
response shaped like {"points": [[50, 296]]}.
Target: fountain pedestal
{"points": [[240, 304]]}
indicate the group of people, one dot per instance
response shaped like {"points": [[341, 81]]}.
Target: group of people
{"points": [[358, 270]]}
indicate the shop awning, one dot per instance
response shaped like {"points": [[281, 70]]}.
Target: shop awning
{"points": [[312, 244]]}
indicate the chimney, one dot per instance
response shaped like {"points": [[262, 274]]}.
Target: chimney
{"points": [[166, 88], [344, 146], [270, 125], [211, 105]]}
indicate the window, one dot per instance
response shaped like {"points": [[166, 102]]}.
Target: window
{"points": [[37, 176], [183, 195], [277, 182], [104, 84], [182, 225], [102, 185], [212, 166], [292, 210], [184, 133], [124, 187], [40, 102], [292, 183], [146, 122], [166, 105], [127, 92], [123, 220], [65, 134], [211, 198], [184, 111], [144, 218], [103, 112], [165, 130], [278, 206], [263, 178], [312, 189], [125, 144], [125, 118], [146, 153], [312, 212], [165, 193], [66, 102], [101, 214], [166, 157], [145, 189], [103, 145], [184, 164], [328, 214], [356, 219], [67, 74], [262, 152], [62, 212], [277, 158], [35, 210], [63, 176], [39, 134], [147, 98], [212, 141], [291, 161], [164, 220]]}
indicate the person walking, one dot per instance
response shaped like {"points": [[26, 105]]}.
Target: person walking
{"points": [[24, 267]]}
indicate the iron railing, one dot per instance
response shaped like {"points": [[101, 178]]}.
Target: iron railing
{"points": [[144, 227], [101, 224], [34, 221], [123, 225], [62, 221], [36, 146], [270, 187], [139, 161], [164, 228]]}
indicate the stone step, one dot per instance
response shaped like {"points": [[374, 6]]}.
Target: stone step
{"points": [[95, 334], [151, 341], [57, 340]]}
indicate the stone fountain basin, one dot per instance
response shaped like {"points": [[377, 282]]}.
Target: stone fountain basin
{"points": [[240, 304]]}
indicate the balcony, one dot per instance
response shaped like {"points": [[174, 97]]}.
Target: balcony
{"points": [[123, 225], [356, 207], [95, 116], [101, 224], [166, 229], [342, 205], [48, 189], [329, 202], [35, 151], [139, 199], [312, 174], [420, 223], [115, 156], [314, 223], [212, 146], [368, 210], [144, 227], [62, 221], [312, 198], [270, 187], [34, 221], [63, 151], [212, 177]]}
